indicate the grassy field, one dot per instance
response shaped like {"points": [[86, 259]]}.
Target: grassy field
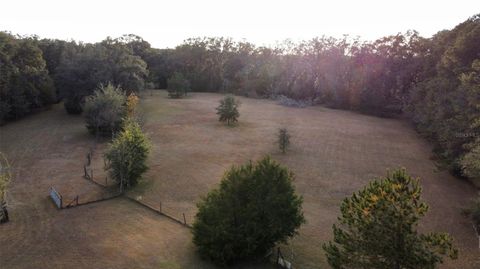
{"points": [[333, 154]]}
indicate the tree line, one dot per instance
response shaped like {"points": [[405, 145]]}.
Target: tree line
{"points": [[433, 81]]}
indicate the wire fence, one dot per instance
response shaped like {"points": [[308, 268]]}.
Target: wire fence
{"points": [[160, 209]]}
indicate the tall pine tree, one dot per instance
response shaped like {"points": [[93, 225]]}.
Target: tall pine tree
{"points": [[378, 229]]}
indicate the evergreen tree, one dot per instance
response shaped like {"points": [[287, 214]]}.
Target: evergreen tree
{"points": [[254, 208], [378, 229], [178, 86], [283, 139], [228, 109]]}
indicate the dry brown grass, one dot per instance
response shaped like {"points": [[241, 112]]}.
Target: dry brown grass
{"points": [[333, 153]]}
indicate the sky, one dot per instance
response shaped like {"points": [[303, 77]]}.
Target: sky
{"points": [[167, 23]]}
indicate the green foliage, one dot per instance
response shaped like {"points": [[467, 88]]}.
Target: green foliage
{"points": [[254, 208], [470, 162], [445, 103], [378, 229], [105, 109], [228, 109], [178, 86], [473, 211], [5, 177], [127, 155], [108, 61], [283, 139], [24, 81]]}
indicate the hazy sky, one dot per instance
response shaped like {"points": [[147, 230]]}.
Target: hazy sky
{"points": [[168, 23]]}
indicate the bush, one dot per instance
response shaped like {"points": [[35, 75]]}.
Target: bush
{"points": [[378, 229], [254, 208], [470, 163], [105, 110], [5, 177], [474, 213], [73, 105], [228, 109], [178, 86], [285, 101], [127, 155], [283, 139]]}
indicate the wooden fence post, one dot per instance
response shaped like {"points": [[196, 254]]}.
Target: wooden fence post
{"points": [[184, 220], [160, 207]]}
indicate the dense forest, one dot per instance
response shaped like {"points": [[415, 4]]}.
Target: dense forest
{"points": [[435, 82]]}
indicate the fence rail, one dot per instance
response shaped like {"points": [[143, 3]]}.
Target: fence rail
{"points": [[161, 212]]}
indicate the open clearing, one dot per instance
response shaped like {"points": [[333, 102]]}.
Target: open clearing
{"points": [[333, 154]]}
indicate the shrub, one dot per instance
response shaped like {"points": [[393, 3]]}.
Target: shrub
{"points": [[178, 86], [5, 177], [470, 163], [105, 110], [378, 229], [228, 109], [127, 155], [285, 101], [473, 212], [131, 103], [254, 208], [283, 139]]}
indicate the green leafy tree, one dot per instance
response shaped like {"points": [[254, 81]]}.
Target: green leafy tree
{"points": [[127, 155], [470, 162], [5, 177], [228, 109], [25, 84], [178, 86], [108, 61], [378, 229], [473, 211], [254, 208], [105, 109], [283, 139]]}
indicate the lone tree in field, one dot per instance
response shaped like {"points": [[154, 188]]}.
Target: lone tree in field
{"points": [[5, 177], [254, 208], [378, 229], [105, 110], [177, 86], [283, 139], [127, 155], [228, 109]]}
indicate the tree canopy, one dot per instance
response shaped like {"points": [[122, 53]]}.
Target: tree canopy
{"points": [[434, 81], [254, 208], [105, 110], [378, 229], [127, 155]]}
